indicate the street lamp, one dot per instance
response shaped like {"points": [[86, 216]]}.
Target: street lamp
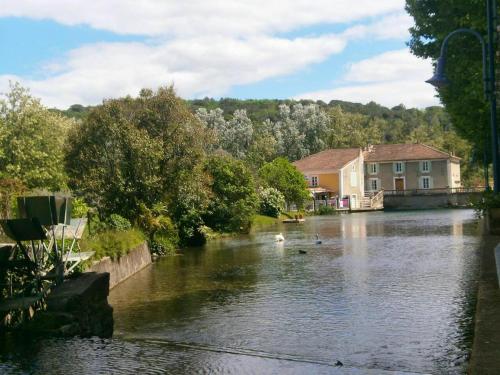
{"points": [[439, 78]]}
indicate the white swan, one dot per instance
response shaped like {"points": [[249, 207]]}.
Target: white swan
{"points": [[318, 241], [279, 238]]}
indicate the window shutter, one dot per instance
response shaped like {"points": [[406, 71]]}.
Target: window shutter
{"points": [[430, 166], [403, 166], [431, 181]]}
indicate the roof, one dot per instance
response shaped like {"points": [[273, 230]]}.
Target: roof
{"points": [[332, 159], [396, 152]]}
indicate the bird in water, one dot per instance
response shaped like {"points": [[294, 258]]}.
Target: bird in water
{"points": [[279, 238], [302, 252], [339, 364], [318, 241]]}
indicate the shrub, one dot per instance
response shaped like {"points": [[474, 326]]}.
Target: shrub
{"points": [[113, 243], [272, 202], [118, 223], [488, 200], [80, 208], [162, 233], [326, 210], [233, 201]]}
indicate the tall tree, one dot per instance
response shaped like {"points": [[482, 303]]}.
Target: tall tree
{"points": [[463, 98], [32, 140]]}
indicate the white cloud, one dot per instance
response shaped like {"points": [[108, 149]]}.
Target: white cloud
{"points": [[197, 66], [202, 47], [390, 79], [392, 26], [198, 17]]}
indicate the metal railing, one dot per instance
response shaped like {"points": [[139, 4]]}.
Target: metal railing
{"points": [[458, 190]]}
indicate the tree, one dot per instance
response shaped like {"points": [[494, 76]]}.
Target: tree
{"points": [[32, 140], [132, 153], [234, 200], [284, 177], [463, 98], [272, 202]]}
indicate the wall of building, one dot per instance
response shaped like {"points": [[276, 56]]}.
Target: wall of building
{"points": [[121, 269], [329, 181], [412, 174], [455, 174], [353, 180]]}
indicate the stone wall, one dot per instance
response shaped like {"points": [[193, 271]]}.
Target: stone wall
{"points": [[79, 307], [121, 269], [415, 202]]}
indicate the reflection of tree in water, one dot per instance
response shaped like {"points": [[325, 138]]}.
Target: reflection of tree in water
{"points": [[180, 287]]}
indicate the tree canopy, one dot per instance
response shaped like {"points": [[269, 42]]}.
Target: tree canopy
{"points": [[32, 140], [464, 98]]}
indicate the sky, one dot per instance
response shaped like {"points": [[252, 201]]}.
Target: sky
{"points": [[81, 52]]}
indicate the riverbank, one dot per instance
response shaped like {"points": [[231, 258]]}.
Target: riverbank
{"points": [[485, 358]]}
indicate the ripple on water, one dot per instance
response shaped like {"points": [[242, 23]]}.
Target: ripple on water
{"points": [[385, 291]]}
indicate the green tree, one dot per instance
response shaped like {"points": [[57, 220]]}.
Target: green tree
{"points": [[234, 200], [132, 153], [284, 177], [463, 98], [32, 140]]}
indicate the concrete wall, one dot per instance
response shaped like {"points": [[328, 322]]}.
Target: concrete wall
{"points": [[414, 202], [412, 174], [126, 266]]}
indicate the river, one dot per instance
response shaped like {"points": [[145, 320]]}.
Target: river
{"points": [[385, 292]]}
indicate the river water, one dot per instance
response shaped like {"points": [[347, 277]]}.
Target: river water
{"points": [[385, 292]]}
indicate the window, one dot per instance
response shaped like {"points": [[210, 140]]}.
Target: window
{"points": [[426, 182], [425, 166], [354, 179], [373, 168], [314, 181], [398, 167], [373, 184]]}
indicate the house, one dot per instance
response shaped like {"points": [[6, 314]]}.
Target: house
{"points": [[349, 177], [335, 175], [399, 167]]}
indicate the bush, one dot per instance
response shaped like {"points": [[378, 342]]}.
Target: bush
{"points": [[488, 200], [233, 201], [163, 236], [271, 202], [113, 243], [326, 210], [80, 208], [118, 223]]}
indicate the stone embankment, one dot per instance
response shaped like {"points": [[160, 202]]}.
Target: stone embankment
{"points": [[128, 265], [77, 307], [485, 358]]}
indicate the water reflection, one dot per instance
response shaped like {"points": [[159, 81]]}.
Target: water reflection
{"points": [[384, 292]]}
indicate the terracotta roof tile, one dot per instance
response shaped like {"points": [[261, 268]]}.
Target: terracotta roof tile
{"points": [[328, 159], [396, 152]]}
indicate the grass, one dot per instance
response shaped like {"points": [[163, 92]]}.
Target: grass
{"points": [[260, 220], [113, 243]]}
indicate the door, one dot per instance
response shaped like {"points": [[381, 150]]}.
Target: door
{"points": [[399, 184], [354, 201]]}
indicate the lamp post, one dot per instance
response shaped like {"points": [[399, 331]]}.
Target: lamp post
{"points": [[488, 53]]}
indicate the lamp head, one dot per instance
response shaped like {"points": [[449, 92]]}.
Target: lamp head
{"points": [[439, 78]]}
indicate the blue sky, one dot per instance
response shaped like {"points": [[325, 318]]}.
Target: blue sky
{"points": [[71, 52]]}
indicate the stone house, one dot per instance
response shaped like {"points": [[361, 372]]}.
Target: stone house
{"points": [[350, 175], [410, 167]]}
